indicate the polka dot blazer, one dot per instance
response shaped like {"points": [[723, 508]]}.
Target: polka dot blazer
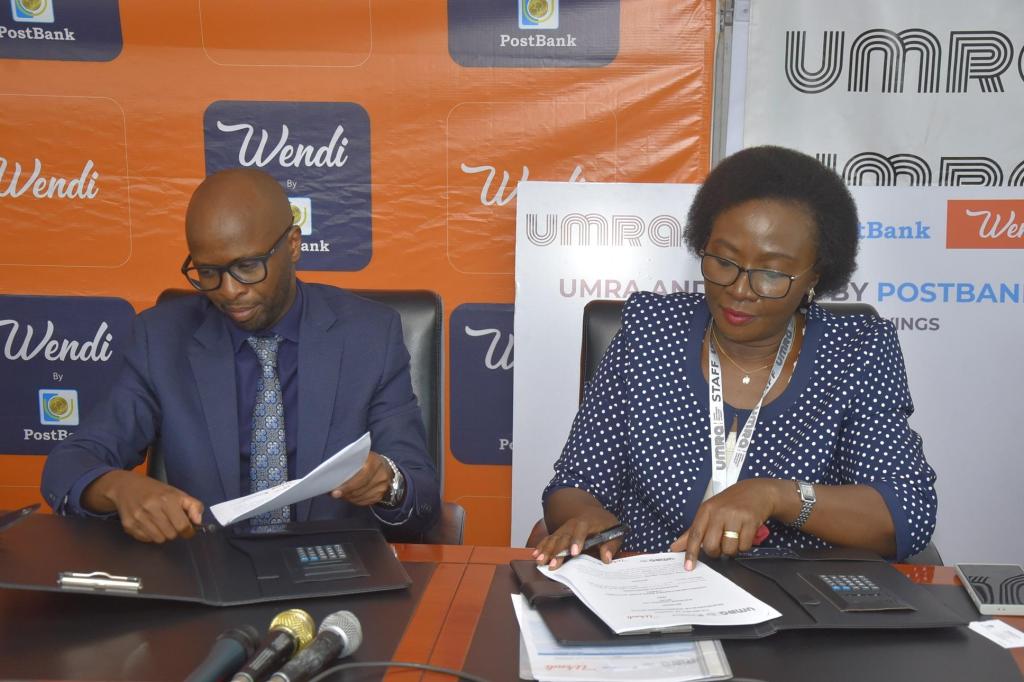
{"points": [[639, 442]]}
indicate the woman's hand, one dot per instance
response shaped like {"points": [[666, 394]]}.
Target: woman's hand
{"points": [[727, 523], [573, 533]]}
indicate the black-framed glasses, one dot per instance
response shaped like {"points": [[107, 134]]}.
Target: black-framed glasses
{"points": [[764, 283], [246, 270]]}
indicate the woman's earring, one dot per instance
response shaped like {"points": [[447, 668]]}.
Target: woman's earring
{"points": [[810, 295]]}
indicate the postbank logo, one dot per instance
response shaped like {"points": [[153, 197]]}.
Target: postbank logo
{"points": [[63, 162], [33, 11], [493, 146], [533, 33], [76, 30], [320, 153], [302, 214], [482, 348], [275, 33], [985, 224], [58, 406], [541, 14]]}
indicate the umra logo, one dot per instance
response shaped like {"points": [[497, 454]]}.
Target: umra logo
{"points": [[873, 168], [981, 56]]}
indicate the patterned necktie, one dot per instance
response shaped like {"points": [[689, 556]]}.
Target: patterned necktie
{"points": [[268, 459]]}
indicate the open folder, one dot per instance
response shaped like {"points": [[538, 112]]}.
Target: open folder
{"points": [[790, 581], [218, 566]]}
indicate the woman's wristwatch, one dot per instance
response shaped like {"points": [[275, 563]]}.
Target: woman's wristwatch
{"points": [[396, 491], [807, 497]]}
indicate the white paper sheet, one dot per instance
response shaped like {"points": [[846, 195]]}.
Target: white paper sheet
{"points": [[547, 660], [999, 632], [331, 473], [652, 593]]}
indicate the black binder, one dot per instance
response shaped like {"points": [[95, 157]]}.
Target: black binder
{"points": [[779, 578], [218, 566]]}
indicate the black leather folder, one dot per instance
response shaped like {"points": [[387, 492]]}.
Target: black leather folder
{"points": [[218, 566], [784, 579]]}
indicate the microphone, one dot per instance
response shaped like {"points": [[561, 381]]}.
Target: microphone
{"points": [[340, 636], [290, 632], [227, 655]]}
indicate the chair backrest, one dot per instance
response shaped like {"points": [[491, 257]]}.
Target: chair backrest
{"points": [[602, 319], [422, 326]]}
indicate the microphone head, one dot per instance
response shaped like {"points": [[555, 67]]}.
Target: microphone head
{"points": [[246, 635], [346, 625], [298, 624]]}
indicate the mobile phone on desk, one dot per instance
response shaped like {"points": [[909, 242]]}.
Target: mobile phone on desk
{"points": [[616, 531], [996, 589]]}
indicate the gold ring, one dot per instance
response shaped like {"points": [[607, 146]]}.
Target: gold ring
{"points": [[731, 534]]}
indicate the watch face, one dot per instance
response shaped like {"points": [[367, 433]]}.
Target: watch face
{"points": [[806, 491]]}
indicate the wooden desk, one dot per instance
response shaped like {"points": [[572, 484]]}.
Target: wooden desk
{"points": [[465, 635], [457, 614]]}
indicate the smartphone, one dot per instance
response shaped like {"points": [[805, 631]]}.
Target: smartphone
{"points": [[616, 531], [996, 589]]}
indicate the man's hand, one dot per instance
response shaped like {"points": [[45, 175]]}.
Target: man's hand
{"points": [[150, 511], [369, 485]]}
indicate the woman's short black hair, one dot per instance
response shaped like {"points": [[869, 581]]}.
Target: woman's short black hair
{"points": [[770, 172]]}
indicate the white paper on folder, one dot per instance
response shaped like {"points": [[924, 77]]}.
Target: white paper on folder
{"points": [[331, 473], [652, 592]]}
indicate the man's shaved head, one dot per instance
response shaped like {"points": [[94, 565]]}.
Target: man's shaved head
{"points": [[237, 214], [233, 200]]}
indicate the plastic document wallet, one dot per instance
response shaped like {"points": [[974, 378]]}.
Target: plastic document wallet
{"points": [[218, 566], [808, 587]]}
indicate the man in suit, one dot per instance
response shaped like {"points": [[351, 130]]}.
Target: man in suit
{"points": [[255, 382]]}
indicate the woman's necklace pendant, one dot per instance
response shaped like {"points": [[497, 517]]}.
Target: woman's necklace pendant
{"points": [[746, 378]]}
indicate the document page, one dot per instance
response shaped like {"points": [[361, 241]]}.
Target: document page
{"points": [[546, 659], [331, 473], [652, 593]]}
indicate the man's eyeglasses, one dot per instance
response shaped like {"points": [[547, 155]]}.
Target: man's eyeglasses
{"points": [[248, 270], [764, 283]]}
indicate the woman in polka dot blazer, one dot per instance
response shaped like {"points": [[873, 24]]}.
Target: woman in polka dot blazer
{"points": [[827, 459]]}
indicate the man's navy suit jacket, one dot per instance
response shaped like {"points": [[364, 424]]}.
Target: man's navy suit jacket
{"points": [[176, 392]]}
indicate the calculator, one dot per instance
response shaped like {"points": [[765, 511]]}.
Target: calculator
{"points": [[855, 592], [323, 562]]}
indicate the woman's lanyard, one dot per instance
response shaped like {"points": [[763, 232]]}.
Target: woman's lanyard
{"points": [[724, 471]]}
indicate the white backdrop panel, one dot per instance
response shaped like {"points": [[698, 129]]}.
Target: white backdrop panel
{"points": [[939, 84], [958, 313]]}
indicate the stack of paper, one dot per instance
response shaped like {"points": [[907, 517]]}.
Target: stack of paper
{"points": [[542, 658], [330, 474], [652, 593]]}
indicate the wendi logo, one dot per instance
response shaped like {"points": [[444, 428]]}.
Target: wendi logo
{"points": [[482, 359], [985, 224], [320, 153], [62, 164], [494, 146]]}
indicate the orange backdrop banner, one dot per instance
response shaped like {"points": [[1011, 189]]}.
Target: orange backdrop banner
{"points": [[399, 129]]}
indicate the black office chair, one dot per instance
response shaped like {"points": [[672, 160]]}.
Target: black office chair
{"points": [[422, 325], [601, 321]]}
